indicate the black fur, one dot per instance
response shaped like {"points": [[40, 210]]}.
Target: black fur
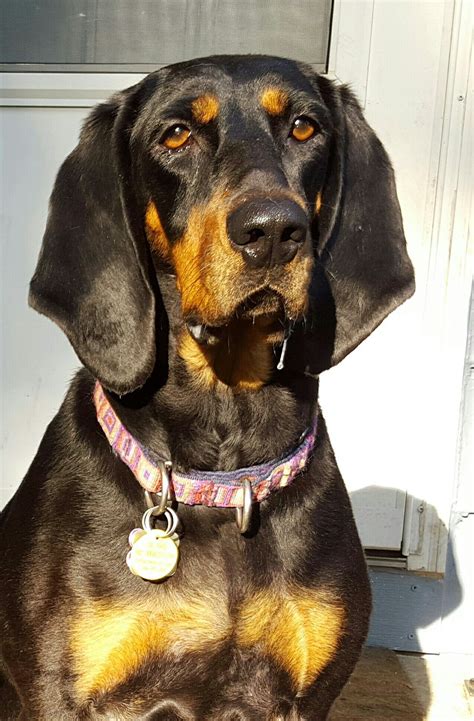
{"points": [[64, 534]]}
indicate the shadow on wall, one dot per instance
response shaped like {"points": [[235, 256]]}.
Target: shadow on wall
{"points": [[403, 604]]}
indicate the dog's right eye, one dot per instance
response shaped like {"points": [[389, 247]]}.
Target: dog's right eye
{"points": [[176, 137]]}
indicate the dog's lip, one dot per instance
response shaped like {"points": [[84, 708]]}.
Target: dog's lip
{"points": [[272, 327], [264, 307], [261, 302], [255, 302]]}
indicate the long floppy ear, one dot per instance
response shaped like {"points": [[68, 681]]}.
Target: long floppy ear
{"points": [[92, 276], [362, 269]]}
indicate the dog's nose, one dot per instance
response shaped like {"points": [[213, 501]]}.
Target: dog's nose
{"points": [[268, 232]]}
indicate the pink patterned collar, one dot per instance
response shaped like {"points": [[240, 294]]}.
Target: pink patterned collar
{"points": [[207, 488]]}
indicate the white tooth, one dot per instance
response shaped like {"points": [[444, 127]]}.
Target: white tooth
{"points": [[196, 331]]}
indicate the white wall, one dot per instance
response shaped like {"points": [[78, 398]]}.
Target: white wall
{"points": [[393, 405], [37, 361]]}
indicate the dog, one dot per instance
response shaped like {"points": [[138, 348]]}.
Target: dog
{"points": [[224, 231]]}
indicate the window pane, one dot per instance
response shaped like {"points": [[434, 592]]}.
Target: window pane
{"points": [[155, 32]]}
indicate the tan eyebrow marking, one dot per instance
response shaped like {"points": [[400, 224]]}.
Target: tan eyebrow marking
{"points": [[205, 108], [274, 100]]}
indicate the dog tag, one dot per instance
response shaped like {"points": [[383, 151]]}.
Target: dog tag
{"points": [[154, 554]]}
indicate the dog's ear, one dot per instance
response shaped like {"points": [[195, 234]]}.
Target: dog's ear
{"points": [[362, 269], [92, 276]]}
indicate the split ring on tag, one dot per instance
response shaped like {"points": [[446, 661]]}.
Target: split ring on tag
{"points": [[243, 515], [171, 516], [154, 552]]}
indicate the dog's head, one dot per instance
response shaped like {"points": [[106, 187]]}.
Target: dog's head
{"points": [[252, 182]]}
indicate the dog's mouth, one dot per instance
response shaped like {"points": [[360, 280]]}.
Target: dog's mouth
{"points": [[238, 349], [264, 309]]}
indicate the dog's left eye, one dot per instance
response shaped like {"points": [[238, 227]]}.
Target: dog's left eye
{"points": [[302, 129], [176, 137]]}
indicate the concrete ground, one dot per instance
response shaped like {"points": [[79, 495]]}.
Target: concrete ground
{"points": [[387, 686]]}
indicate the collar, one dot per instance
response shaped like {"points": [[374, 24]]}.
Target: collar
{"points": [[207, 488]]}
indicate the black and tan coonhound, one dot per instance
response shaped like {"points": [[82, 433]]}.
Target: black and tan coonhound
{"points": [[225, 230]]}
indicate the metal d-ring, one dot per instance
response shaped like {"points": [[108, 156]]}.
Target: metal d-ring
{"points": [[243, 515], [164, 494]]}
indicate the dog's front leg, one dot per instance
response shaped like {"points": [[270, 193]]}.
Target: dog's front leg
{"points": [[317, 701]]}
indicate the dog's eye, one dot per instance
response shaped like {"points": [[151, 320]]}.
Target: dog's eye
{"points": [[176, 137], [302, 129]]}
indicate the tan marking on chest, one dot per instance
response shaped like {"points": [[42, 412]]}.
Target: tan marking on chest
{"points": [[299, 628], [109, 641]]}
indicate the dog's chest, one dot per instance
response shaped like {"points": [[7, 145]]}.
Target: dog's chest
{"points": [[180, 633]]}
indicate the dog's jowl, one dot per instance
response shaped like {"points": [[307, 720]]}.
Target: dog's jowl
{"points": [[183, 547]]}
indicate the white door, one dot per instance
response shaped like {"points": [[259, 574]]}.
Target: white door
{"points": [[392, 405]]}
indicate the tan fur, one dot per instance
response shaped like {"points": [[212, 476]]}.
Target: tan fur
{"points": [[110, 640], [242, 359], [197, 361], [155, 232], [206, 265], [298, 274], [318, 203], [297, 627], [274, 100], [205, 108]]}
